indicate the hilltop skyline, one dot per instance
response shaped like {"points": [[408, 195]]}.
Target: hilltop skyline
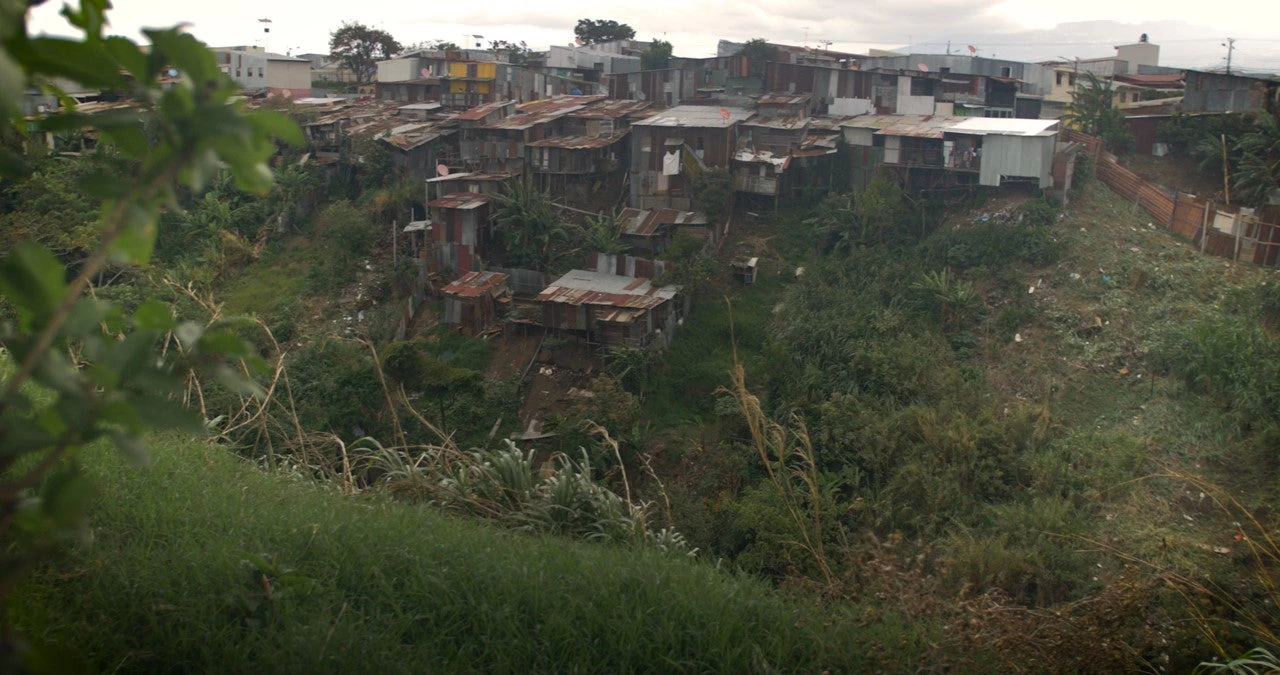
{"points": [[1189, 35]]}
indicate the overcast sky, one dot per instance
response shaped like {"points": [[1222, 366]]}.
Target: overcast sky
{"points": [[1189, 33]]}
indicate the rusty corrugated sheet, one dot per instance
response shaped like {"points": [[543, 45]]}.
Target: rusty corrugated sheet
{"points": [[579, 142], [611, 109], [640, 223], [460, 200], [582, 287], [475, 284]]}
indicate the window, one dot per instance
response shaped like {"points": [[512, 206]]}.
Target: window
{"points": [[944, 70], [1006, 71], [1059, 78], [1071, 79], [262, 71], [237, 72], [699, 143], [1124, 97]]}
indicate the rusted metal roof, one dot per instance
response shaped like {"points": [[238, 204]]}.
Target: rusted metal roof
{"points": [[778, 160], [640, 223], [475, 284], [475, 177], [789, 122], [463, 201], [928, 126], [543, 111], [557, 103], [482, 111], [696, 116], [581, 287], [1172, 81], [409, 136], [881, 121], [611, 109], [579, 142], [785, 99]]}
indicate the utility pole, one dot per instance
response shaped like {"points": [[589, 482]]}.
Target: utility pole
{"points": [[948, 48], [1230, 44]]}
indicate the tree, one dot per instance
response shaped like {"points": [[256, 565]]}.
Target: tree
{"points": [[360, 47], [1257, 177], [758, 52], [1091, 110], [514, 53], [592, 31], [531, 231], [657, 56], [83, 369], [713, 194]]}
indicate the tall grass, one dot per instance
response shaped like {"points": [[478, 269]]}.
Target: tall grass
{"points": [[202, 563]]}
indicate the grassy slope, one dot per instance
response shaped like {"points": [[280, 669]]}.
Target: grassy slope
{"points": [[361, 584], [1118, 419]]}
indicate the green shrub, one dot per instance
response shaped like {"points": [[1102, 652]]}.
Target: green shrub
{"points": [[1040, 212], [994, 245]]}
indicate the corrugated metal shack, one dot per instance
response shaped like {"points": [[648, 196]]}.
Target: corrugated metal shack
{"points": [[610, 310], [666, 146], [930, 151], [459, 215], [648, 232], [476, 302], [498, 143]]}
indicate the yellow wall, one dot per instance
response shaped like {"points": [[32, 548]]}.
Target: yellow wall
{"points": [[485, 71]]}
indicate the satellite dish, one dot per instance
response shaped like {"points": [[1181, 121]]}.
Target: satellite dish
{"points": [[425, 73], [442, 170], [173, 72], [923, 67], [724, 113]]}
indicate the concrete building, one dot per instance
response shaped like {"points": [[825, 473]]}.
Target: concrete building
{"points": [[252, 68]]}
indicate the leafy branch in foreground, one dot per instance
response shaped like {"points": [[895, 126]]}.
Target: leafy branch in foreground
{"points": [[82, 370]]}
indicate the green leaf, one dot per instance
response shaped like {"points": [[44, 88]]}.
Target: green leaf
{"points": [[224, 343], [188, 333], [33, 280], [104, 185], [186, 53], [154, 315], [132, 446], [85, 63], [66, 495], [84, 317], [168, 414], [277, 125], [138, 239], [236, 382]]}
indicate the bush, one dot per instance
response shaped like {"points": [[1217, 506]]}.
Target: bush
{"points": [[1039, 212], [995, 245]]}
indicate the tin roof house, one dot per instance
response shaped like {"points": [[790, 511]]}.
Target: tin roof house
{"points": [[458, 210], [591, 146], [611, 310], [930, 150], [476, 302], [497, 141], [668, 146]]}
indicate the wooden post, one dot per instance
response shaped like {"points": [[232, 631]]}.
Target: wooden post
{"points": [[1226, 183], [1204, 226], [1237, 226]]}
